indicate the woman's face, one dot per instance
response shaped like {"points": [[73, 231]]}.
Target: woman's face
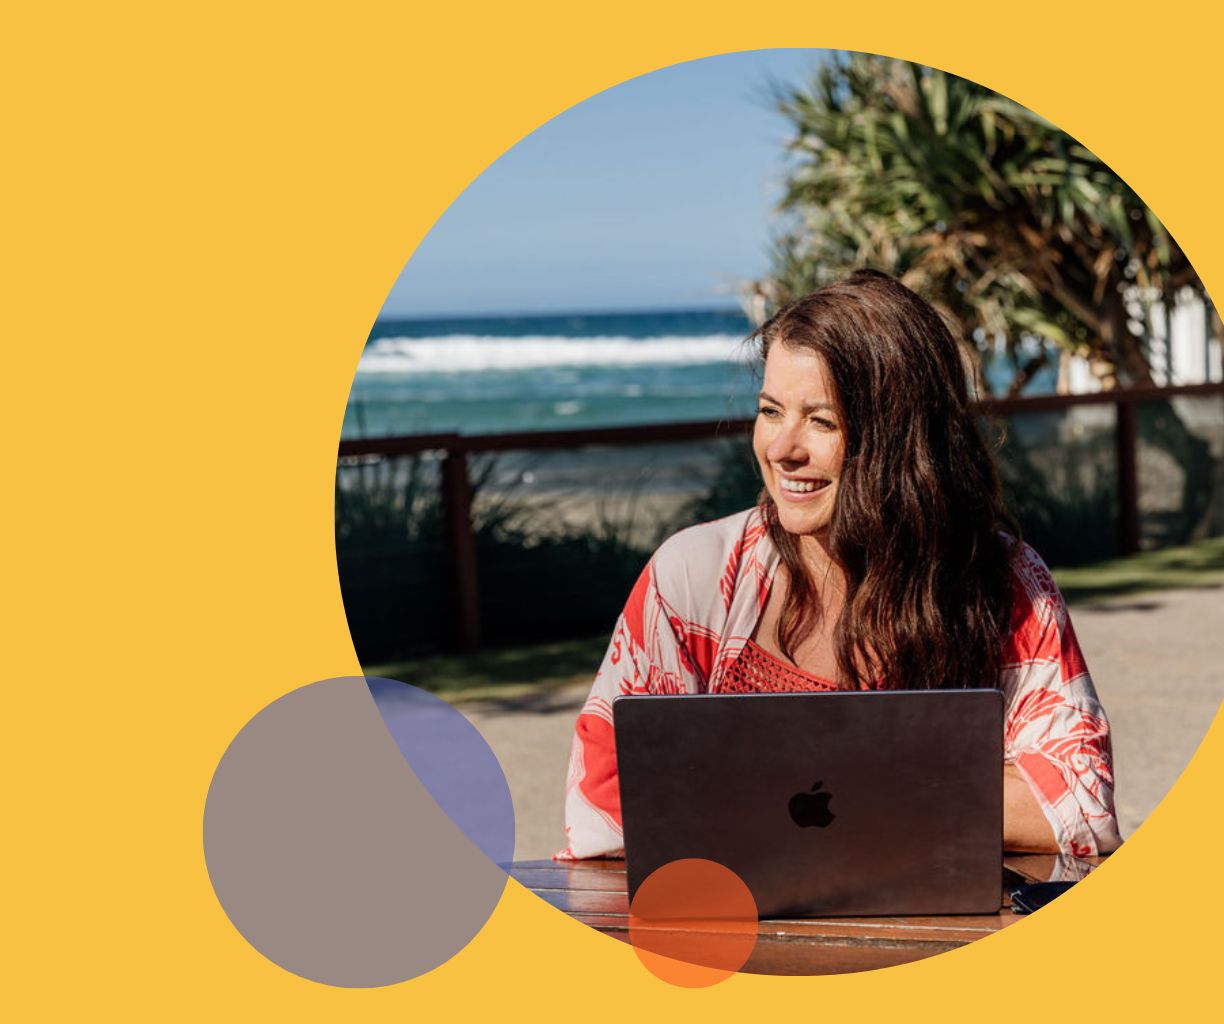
{"points": [[799, 440]]}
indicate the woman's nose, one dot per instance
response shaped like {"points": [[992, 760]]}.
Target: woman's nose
{"points": [[785, 446]]}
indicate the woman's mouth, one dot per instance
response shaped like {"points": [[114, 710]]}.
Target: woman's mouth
{"points": [[799, 489]]}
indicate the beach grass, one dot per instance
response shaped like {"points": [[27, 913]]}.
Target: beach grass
{"points": [[514, 673], [1198, 565]]}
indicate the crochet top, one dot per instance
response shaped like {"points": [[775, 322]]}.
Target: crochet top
{"points": [[758, 671]]}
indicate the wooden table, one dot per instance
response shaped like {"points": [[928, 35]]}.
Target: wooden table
{"points": [[594, 892]]}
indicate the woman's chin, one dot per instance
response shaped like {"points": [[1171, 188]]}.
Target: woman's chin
{"points": [[801, 525]]}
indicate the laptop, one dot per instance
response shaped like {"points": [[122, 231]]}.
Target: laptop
{"points": [[825, 804]]}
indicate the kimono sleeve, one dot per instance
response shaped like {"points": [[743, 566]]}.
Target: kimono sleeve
{"points": [[646, 655], [1056, 731]]}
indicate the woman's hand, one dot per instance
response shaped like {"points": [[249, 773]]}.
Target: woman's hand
{"points": [[1025, 828]]}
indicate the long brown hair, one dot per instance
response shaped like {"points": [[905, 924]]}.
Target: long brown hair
{"points": [[919, 526]]}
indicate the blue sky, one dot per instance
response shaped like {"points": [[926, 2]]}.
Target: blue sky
{"points": [[655, 194]]}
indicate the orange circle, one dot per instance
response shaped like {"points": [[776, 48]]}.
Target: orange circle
{"points": [[693, 923]]}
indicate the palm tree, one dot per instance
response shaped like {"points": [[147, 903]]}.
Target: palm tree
{"points": [[1011, 227]]}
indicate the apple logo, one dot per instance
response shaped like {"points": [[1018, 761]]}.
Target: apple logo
{"points": [[812, 808]]}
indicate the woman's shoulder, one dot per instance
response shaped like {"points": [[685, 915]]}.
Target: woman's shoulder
{"points": [[709, 554], [1039, 613], [1032, 580], [735, 532]]}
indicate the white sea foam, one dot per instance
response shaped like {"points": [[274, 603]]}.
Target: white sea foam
{"points": [[472, 353]]}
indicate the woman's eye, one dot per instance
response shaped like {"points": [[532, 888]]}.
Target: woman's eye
{"points": [[824, 424], [767, 411]]}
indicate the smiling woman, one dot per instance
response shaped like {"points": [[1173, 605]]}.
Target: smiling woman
{"points": [[879, 556], [798, 440]]}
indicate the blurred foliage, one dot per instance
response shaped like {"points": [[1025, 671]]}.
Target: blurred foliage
{"points": [[391, 555], [567, 582], [516, 676], [525, 677], [1192, 478], [1012, 228], [735, 486], [1063, 491], [545, 577], [538, 581]]}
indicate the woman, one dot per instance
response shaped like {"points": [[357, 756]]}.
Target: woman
{"points": [[880, 556]]}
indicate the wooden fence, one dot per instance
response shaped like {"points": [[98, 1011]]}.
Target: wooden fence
{"points": [[457, 496]]}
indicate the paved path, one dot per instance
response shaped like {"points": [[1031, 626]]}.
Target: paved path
{"points": [[1158, 664], [1157, 660]]}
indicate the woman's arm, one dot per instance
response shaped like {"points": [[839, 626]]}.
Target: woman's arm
{"points": [[1056, 737], [666, 641], [648, 653], [1025, 828]]}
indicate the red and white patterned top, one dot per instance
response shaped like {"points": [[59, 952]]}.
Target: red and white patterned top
{"points": [[690, 617]]}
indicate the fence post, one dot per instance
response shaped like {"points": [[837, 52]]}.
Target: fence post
{"points": [[457, 508], [1127, 432]]}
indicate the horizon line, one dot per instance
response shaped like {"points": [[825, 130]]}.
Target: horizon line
{"points": [[526, 315]]}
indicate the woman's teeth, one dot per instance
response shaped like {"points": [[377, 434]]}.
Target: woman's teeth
{"points": [[802, 486]]}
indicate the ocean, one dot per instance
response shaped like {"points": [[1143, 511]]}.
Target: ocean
{"points": [[484, 375]]}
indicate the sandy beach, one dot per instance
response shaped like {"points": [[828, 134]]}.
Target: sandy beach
{"points": [[1155, 659]]}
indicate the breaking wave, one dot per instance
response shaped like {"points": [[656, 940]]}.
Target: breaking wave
{"points": [[468, 353]]}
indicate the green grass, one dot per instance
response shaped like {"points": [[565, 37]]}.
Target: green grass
{"points": [[503, 674], [511, 674], [1199, 565]]}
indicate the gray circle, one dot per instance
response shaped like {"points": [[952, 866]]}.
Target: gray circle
{"points": [[329, 855]]}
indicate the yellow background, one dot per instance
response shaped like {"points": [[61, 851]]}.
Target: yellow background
{"points": [[206, 203]]}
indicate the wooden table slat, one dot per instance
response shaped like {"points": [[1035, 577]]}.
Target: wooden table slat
{"points": [[614, 866], [956, 930], [838, 933], [791, 958], [594, 893], [555, 877], [616, 904], [786, 957]]}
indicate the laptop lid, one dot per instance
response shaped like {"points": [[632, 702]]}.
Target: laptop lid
{"points": [[839, 804]]}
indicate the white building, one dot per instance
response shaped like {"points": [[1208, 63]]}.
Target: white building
{"points": [[1182, 348]]}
